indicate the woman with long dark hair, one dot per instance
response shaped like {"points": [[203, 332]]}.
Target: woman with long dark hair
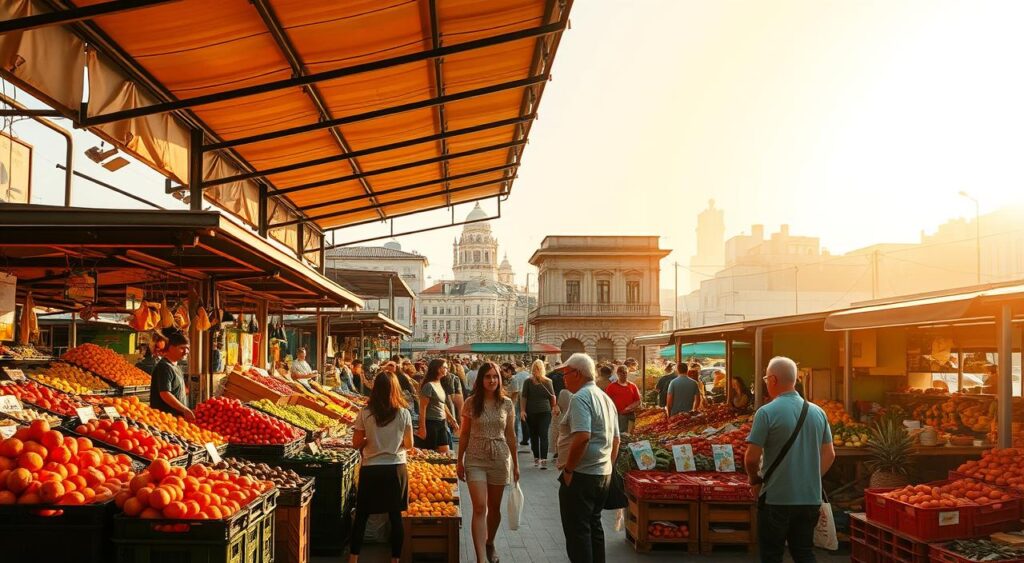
{"points": [[432, 433], [486, 459], [382, 433]]}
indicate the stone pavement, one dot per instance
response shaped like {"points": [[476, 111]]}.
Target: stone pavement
{"points": [[540, 540]]}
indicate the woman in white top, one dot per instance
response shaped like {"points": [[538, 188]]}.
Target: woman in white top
{"points": [[382, 433], [300, 368]]}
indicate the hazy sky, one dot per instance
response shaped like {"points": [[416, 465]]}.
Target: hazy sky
{"points": [[857, 122]]}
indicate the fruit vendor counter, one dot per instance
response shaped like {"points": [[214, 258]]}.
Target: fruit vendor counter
{"points": [[923, 451]]}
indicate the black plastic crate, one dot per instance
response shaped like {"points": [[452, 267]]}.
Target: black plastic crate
{"points": [[334, 480], [180, 551], [171, 530], [268, 525], [297, 496], [269, 453], [263, 504], [82, 533]]}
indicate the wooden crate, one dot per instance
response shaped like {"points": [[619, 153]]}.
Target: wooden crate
{"points": [[741, 517], [640, 513], [431, 538], [291, 533], [244, 389]]}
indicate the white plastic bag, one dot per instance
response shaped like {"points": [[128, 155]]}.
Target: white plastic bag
{"points": [[515, 506], [825, 531]]}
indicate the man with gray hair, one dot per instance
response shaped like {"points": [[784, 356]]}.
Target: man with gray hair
{"points": [[587, 457], [796, 442]]}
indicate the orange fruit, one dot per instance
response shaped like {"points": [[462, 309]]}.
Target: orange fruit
{"points": [[133, 506], [37, 428], [73, 498], [29, 498], [51, 492], [11, 447], [159, 469], [7, 497], [160, 498], [52, 439]]}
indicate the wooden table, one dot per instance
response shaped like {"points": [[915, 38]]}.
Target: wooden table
{"points": [[922, 451]]}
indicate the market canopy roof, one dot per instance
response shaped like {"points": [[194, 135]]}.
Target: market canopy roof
{"points": [[355, 323], [371, 284], [161, 252], [702, 349], [347, 112], [503, 348]]}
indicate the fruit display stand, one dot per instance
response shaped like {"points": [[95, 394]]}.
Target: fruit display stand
{"points": [[431, 537], [643, 528], [243, 388], [209, 541], [873, 543], [334, 472], [27, 532], [292, 529], [725, 523]]}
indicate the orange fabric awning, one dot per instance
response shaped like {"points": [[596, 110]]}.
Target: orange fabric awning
{"points": [[193, 48]]}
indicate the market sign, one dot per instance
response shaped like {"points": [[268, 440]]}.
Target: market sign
{"points": [[10, 403], [15, 170]]}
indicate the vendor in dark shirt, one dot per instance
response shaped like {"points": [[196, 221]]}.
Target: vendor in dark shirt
{"points": [[167, 392]]}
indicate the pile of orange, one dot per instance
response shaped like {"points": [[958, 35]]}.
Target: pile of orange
{"points": [[163, 491], [107, 364], [429, 489], [961, 492], [435, 470], [1000, 467], [421, 509], [42, 466], [133, 408]]}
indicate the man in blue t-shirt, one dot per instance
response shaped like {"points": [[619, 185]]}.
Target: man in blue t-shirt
{"points": [[790, 498], [683, 392]]}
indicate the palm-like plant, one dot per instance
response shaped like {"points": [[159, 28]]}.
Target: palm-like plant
{"points": [[890, 447]]}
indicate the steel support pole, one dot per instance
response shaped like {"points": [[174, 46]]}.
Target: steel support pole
{"points": [[758, 366], [643, 372], [262, 350], [195, 353], [73, 331], [728, 370], [1004, 388], [195, 169], [320, 348], [848, 370]]}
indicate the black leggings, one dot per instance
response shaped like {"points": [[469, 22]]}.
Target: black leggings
{"points": [[359, 530], [539, 424]]}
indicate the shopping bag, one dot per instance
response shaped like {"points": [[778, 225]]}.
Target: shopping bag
{"points": [[515, 506], [616, 493], [825, 531]]}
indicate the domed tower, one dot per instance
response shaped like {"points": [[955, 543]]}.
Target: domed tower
{"points": [[476, 252], [505, 273]]}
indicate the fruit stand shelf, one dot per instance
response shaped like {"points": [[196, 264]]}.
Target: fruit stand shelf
{"points": [[923, 451]]}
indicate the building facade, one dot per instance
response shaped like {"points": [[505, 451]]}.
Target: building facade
{"points": [[391, 258], [481, 303], [596, 293]]}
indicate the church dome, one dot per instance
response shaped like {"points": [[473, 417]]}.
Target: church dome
{"points": [[393, 245], [476, 214], [505, 264]]}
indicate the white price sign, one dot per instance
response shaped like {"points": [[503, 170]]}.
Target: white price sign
{"points": [[212, 450], [85, 414], [8, 431], [683, 455], [14, 374], [313, 447], [111, 412], [10, 403]]}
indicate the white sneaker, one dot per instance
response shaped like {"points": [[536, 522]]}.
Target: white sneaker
{"points": [[536, 462]]}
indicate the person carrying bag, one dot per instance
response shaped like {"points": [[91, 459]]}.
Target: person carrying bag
{"points": [[794, 439]]}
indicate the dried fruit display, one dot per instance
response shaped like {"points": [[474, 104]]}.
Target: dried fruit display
{"points": [[39, 465], [69, 378], [44, 397], [300, 416], [162, 491], [106, 363], [282, 478], [28, 414], [242, 425], [133, 408], [130, 439]]}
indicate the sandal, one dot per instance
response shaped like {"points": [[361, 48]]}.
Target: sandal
{"points": [[492, 555]]}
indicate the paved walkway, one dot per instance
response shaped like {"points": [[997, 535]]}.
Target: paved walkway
{"points": [[540, 538]]}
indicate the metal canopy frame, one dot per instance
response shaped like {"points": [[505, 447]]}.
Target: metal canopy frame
{"points": [[205, 139], [393, 234]]}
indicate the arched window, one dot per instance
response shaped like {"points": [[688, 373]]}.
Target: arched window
{"points": [[487, 257], [605, 349], [570, 347], [476, 256]]}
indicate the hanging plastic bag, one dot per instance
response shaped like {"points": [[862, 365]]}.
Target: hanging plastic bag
{"points": [[140, 319], [825, 531], [181, 317], [201, 320], [166, 316], [515, 506]]}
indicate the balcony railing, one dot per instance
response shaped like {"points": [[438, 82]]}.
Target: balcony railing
{"points": [[597, 310]]}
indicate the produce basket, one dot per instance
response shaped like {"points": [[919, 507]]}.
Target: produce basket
{"points": [[200, 455], [334, 481], [297, 496], [724, 487], [76, 533], [266, 452], [880, 509], [661, 485], [933, 524]]}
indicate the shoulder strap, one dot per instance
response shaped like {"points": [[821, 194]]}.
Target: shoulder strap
{"points": [[789, 443]]}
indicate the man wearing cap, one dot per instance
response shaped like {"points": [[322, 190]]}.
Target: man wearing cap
{"points": [[586, 454], [167, 390]]}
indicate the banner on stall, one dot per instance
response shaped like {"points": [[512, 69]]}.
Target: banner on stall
{"points": [[8, 289]]}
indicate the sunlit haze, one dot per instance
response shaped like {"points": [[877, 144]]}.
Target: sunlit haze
{"points": [[857, 122]]}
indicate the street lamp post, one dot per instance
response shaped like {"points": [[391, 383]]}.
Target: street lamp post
{"points": [[977, 234]]}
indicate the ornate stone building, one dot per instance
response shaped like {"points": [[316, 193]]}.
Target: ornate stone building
{"points": [[475, 253], [597, 292]]}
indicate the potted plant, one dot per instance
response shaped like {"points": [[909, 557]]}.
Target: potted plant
{"points": [[890, 448]]}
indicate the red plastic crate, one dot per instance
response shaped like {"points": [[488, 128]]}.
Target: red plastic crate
{"points": [[879, 509], [934, 524], [1002, 516], [661, 485], [724, 487], [943, 555]]}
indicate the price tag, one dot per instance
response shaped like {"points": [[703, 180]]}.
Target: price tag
{"points": [[212, 450], [10, 403], [709, 431], [8, 431], [14, 374], [683, 455], [643, 455], [85, 414], [261, 371], [111, 412], [724, 460], [313, 447], [949, 518]]}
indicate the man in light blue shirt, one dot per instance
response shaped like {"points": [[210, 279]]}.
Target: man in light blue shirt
{"points": [[587, 471], [790, 498], [522, 430]]}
